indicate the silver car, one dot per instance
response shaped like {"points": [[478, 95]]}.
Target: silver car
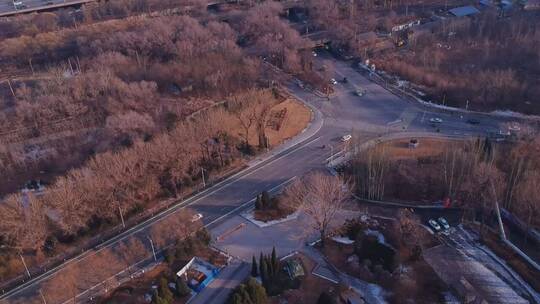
{"points": [[433, 224]]}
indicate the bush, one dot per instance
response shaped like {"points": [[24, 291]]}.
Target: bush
{"points": [[325, 298], [181, 288], [250, 293]]}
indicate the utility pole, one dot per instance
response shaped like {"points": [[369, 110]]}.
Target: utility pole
{"points": [[11, 88], [121, 216], [25, 267], [42, 297], [153, 249], [498, 211], [202, 174]]}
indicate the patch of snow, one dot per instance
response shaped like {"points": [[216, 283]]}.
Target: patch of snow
{"points": [[377, 234], [343, 240], [250, 216]]}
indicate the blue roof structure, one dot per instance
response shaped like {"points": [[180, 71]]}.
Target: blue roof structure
{"points": [[464, 11]]}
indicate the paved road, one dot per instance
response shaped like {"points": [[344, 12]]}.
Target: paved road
{"points": [[8, 8], [369, 115]]}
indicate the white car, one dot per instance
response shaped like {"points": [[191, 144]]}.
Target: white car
{"points": [[433, 224], [333, 81], [435, 120], [514, 127], [314, 53], [196, 217], [345, 138], [360, 92], [444, 223]]}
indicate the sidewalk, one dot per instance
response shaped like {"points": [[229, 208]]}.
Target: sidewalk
{"points": [[218, 291]]}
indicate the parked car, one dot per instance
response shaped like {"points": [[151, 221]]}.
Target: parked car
{"points": [[345, 138], [444, 223], [333, 81], [345, 80], [435, 120], [360, 92], [433, 224], [196, 217]]}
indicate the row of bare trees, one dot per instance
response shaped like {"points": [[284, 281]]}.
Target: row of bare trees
{"points": [[453, 53], [125, 182], [474, 174], [121, 86]]}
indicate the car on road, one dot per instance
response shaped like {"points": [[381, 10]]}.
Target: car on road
{"points": [[345, 138], [435, 120], [473, 121], [434, 225], [345, 80], [333, 81], [19, 5], [444, 223], [360, 92], [196, 217], [314, 53]]}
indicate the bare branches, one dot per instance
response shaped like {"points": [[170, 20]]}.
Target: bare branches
{"points": [[320, 196]]}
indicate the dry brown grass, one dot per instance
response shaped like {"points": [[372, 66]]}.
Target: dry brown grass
{"points": [[297, 118], [399, 149]]}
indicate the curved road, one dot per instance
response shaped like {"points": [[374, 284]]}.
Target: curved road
{"points": [[376, 114]]}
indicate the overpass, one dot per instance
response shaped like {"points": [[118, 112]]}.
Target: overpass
{"points": [[7, 8]]}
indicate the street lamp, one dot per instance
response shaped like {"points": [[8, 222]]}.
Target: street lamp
{"points": [[153, 249], [202, 174]]}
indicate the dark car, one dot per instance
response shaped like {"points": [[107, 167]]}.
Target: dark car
{"points": [[473, 121], [345, 80]]}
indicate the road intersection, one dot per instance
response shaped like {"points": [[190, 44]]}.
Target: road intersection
{"points": [[342, 113]]}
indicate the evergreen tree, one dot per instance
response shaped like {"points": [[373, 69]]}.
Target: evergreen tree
{"points": [[261, 258], [258, 203], [264, 272], [181, 288], [155, 297], [236, 299], [275, 262], [325, 298], [244, 294], [266, 201], [254, 270], [257, 293], [164, 291]]}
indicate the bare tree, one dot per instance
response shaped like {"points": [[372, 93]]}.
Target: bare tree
{"points": [[320, 196], [370, 169], [24, 222], [175, 227]]}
